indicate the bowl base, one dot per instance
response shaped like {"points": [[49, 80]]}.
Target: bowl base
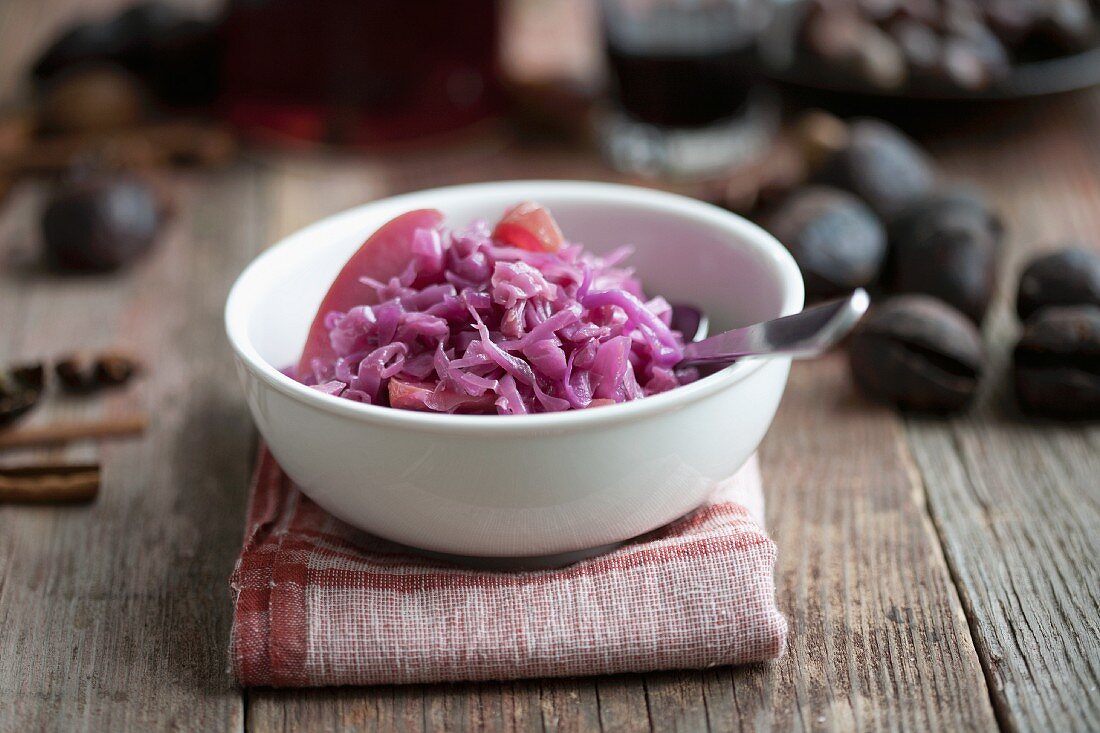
{"points": [[533, 562]]}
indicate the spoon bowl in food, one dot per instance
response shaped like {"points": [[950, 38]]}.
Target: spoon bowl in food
{"points": [[521, 485]]}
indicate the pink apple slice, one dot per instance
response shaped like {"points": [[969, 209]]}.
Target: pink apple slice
{"points": [[385, 254], [422, 396], [529, 226]]}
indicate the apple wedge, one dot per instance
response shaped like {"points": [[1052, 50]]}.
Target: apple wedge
{"points": [[385, 254]]}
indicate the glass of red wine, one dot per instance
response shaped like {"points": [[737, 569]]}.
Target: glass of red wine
{"points": [[684, 100], [360, 72]]}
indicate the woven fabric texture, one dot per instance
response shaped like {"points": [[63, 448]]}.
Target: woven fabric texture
{"points": [[317, 602]]}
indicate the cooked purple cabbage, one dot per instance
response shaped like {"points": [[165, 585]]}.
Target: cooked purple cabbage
{"points": [[492, 328]]}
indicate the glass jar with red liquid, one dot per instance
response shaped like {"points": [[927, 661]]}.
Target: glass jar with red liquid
{"points": [[360, 72]]}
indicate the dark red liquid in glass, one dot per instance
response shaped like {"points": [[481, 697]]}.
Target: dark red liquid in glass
{"points": [[679, 89], [360, 72]]}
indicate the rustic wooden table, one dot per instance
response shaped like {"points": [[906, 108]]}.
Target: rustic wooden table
{"points": [[937, 574]]}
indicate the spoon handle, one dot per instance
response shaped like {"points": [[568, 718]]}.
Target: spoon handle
{"points": [[803, 335]]}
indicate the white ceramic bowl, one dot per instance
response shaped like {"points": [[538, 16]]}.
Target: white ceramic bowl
{"points": [[527, 485]]}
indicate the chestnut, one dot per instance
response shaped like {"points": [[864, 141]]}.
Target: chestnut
{"points": [[99, 222]]}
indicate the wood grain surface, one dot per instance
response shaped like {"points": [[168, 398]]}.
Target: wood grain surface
{"points": [[937, 574], [114, 616], [1016, 500]]}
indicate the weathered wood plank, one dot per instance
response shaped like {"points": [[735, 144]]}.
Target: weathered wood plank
{"points": [[1017, 501], [624, 703], [114, 616], [878, 639]]}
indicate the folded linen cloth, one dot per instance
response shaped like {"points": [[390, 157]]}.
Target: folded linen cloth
{"points": [[317, 602]]}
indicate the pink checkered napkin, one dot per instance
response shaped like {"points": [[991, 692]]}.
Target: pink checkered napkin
{"points": [[317, 602]]}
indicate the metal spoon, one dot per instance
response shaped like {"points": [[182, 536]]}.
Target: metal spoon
{"points": [[801, 336]]}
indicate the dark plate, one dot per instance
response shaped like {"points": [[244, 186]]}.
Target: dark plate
{"points": [[1033, 79], [781, 59]]}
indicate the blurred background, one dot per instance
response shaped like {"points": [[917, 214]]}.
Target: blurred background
{"points": [[674, 91], [864, 134]]}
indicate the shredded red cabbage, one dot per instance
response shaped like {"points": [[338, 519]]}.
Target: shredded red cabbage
{"points": [[474, 325]]}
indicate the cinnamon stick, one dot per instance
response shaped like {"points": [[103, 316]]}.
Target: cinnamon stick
{"points": [[65, 432], [49, 483]]}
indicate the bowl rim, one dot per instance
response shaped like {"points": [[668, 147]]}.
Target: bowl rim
{"points": [[240, 296]]}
